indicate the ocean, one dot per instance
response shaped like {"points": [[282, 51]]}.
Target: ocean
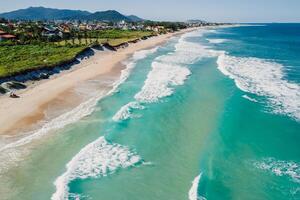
{"points": [[212, 114]]}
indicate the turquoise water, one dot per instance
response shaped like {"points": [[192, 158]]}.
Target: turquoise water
{"points": [[212, 114]]}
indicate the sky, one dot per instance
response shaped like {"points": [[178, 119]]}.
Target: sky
{"points": [[179, 10]]}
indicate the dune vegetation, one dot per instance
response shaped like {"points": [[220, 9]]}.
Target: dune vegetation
{"points": [[15, 58]]}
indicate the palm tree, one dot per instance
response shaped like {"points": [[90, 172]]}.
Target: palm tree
{"points": [[79, 37], [90, 37], [85, 36]]}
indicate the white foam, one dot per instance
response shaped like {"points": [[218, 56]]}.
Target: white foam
{"points": [[168, 71], [160, 80], [280, 168], [97, 159], [193, 192], [264, 78], [249, 98], [131, 63], [187, 52], [216, 41], [125, 112], [138, 55], [171, 70]]}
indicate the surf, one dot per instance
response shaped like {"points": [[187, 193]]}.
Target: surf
{"points": [[167, 72], [263, 78], [98, 159]]}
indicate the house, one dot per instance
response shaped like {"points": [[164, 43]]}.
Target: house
{"points": [[5, 36], [82, 27], [50, 31]]}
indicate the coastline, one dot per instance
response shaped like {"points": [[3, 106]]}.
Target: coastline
{"points": [[24, 114]]}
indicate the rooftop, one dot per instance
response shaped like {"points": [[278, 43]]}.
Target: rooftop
{"points": [[7, 36]]}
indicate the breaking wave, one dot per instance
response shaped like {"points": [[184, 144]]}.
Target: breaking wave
{"points": [[98, 159], [167, 72], [171, 70], [161, 80], [193, 192], [263, 78], [130, 64], [125, 112]]}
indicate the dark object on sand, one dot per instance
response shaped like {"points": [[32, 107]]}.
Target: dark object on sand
{"points": [[13, 95]]}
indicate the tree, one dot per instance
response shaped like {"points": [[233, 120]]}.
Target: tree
{"points": [[85, 36], [79, 37], [90, 37]]}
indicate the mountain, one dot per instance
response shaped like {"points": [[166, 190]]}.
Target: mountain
{"points": [[41, 13], [134, 18], [109, 15]]}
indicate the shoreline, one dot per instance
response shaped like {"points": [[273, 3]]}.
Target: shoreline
{"points": [[26, 113]]}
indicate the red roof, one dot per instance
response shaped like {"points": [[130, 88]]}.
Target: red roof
{"points": [[7, 36], [2, 32]]}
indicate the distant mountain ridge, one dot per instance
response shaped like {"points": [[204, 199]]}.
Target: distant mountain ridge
{"points": [[42, 13], [135, 18], [109, 15]]}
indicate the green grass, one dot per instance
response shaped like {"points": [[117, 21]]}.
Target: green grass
{"points": [[117, 34], [14, 59], [113, 37], [19, 58]]}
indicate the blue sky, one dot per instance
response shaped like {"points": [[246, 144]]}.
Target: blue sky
{"points": [[210, 10]]}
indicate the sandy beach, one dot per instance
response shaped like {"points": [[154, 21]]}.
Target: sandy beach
{"points": [[19, 115]]}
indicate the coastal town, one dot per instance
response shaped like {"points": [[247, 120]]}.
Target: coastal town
{"points": [[21, 30], [57, 44]]}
